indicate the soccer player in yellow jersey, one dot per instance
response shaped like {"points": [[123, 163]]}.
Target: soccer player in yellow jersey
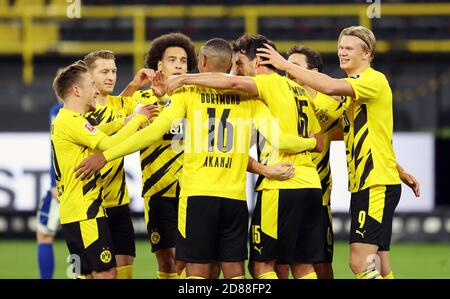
{"points": [[161, 164], [328, 112], [374, 175], [113, 110], [287, 218], [83, 218], [213, 215]]}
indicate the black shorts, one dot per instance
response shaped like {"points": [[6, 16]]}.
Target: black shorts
{"points": [[90, 245], [161, 217], [328, 236], [372, 212], [287, 226], [122, 231], [212, 229]]}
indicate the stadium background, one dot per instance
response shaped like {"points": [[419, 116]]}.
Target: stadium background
{"points": [[413, 50]]}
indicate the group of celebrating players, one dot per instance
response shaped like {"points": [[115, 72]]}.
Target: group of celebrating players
{"points": [[194, 132]]}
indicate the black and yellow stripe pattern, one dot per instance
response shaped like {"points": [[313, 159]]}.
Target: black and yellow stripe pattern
{"points": [[115, 192], [161, 165], [328, 112], [368, 131]]}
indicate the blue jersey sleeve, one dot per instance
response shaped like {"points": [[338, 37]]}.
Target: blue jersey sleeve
{"points": [[53, 112]]}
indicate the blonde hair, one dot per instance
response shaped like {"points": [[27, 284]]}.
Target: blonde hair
{"points": [[67, 77], [364, 34], [92, 57]]}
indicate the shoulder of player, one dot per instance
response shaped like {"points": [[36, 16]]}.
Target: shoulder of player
{"points": [[371, 75], [322, 100]]}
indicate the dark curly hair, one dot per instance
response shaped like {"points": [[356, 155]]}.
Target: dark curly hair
{"points": [[160, 44], [248, 43], [313, 58]]}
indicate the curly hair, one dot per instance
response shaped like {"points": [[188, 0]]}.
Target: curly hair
{"points": [[248, 43], [160, 44]]}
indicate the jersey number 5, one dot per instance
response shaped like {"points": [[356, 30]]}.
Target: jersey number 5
{"points": [[302, 118], [224, 125]]}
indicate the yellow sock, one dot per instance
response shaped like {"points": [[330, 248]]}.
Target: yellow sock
{"points": [[390, 275], [164, 275], [238, 277], [125, 272], [195, 277], [311, 275], [370, 273], [268, 275], [183, 274]]}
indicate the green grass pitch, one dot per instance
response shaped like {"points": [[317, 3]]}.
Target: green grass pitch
{"points": [[18, 259]]}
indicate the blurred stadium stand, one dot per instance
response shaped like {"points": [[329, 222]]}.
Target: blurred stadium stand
{"points": [[413, 50]]}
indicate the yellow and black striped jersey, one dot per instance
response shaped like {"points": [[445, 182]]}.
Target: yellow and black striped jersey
{"points": [[73, 139], [328, 112], [291, 104], [115, 191], [161, 164], [368, 129], [217, 139]]}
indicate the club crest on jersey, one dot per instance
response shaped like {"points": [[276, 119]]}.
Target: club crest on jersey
{"points": [[322, 116], [105, 256], [90, 128]]}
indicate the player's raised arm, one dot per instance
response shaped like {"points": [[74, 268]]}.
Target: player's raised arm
{"points": [[142, 78], [214, 80], [317, 81]]}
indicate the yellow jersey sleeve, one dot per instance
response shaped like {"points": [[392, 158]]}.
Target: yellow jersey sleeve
{"points": [[112, 126], [367, 86], [313, 121], [263, 83], [175, 109], [80, 131], [145, 97], [123, 104], [269, 127]]}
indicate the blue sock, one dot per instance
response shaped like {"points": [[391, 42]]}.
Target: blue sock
{"points": [[46, 261]]}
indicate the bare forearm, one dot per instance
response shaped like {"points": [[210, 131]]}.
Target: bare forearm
{"points": [[319, 81], [222, 81], [255, 167], [129, 90]]}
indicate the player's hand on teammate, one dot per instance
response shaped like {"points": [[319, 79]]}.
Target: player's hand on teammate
{"points": [[158, 84], [281, 171], [90, 166], [273, 57], [143, 78], [173, 83], [411, 182], [319, 142], [148, 111]]}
